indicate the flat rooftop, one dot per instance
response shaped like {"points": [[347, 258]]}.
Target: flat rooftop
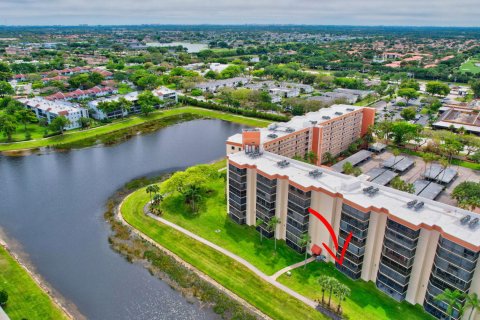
{"points": [[381, 176], [56, 106], [459, 117], [438, 173], [399, 163], [427, 189], [299, 123], [431, 214], [354, 159]]}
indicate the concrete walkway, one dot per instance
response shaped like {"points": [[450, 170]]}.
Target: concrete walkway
{"points": [[247, 264], [293, 266]]}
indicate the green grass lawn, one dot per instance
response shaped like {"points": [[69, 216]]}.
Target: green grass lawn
{"points": [[213, 224], [78, 135], [26, 300], [470, 66], [365, 301], [230, 274]]}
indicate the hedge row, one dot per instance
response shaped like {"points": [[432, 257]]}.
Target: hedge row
{"points": [[244, 112]]}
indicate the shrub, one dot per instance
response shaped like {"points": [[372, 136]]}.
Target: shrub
{"points": [[3, 298], [244, 112]]}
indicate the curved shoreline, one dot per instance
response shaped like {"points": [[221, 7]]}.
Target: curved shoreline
{"points": [[202, 275], [68, 308], [109, 134]]}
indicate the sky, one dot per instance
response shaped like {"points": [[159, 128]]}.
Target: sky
{"points": [[314, 12]]}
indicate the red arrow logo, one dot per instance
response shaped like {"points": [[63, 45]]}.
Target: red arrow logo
{"points": [[334, 237]]}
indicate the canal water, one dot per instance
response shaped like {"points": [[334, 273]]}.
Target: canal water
{"points": [[53, 205]]}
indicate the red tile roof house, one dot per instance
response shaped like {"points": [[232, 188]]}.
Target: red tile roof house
{"points": [[20, 77], [83, 94]]}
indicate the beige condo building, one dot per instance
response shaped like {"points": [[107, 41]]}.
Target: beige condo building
{"points": [[329, 130], [411, 248]]}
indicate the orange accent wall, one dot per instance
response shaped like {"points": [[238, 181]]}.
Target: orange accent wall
{"points": [[251, 138], [368, 119], [317, 143]]}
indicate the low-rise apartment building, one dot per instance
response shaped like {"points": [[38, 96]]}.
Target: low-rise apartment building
{"points": [[167, 96], [329, 130], [214, 86], [49, 110], [458, 117], [410, 247]]}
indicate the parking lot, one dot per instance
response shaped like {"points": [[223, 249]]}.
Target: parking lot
{"points": [[417, 171]]}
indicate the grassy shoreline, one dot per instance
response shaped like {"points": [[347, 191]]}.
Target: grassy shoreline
{"points": [[79, 138], [195, 287], [26, 299], [224, 270], [211, 222]]}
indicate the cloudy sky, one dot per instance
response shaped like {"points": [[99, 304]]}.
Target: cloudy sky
{"points": [[339, 12]]}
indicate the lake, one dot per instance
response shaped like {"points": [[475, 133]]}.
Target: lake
{"points": [[53, 205]]}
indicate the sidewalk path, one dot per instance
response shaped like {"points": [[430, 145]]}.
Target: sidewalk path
{"points": [[247, 264], [293, 266]]}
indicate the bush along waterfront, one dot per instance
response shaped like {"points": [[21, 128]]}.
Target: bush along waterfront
{"points": [[165, 267]]}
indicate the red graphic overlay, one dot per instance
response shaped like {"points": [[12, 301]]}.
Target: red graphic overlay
{"points": [[334, 237]]}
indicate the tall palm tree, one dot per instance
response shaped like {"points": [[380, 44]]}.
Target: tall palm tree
{"points": [[332, 286], [396, 153], [428, 158], [323, 281], [341, 291], [444, 163], [258, 223], [472, 302], [151, 189], [451, 299], [304, 242], [272, 227], [124, 105], [193, 193]]}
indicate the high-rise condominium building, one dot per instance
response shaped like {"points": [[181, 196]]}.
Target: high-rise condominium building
{"points": [[329, 130], [411, 248]]}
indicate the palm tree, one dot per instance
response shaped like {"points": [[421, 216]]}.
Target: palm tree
{"points": [[472, 302], [444, 163], [311, 157], [272, 227], [341, 291], [304, 242], [157, 198], [428, 158], [396, 153], [332, 286], [151, 189], [193, 193], [329, 158], [323, 281], [451, 299], [258, 223], [124, 105]]}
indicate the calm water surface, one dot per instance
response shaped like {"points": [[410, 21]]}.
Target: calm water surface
{"points": [[53, 206]]}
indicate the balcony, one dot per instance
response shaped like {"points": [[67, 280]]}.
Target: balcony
{"points": [[401, 250], [389, 273], [347, 228], [455, 259]]}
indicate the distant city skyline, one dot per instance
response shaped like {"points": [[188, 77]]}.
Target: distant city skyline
{"points": [[312, 12]]}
